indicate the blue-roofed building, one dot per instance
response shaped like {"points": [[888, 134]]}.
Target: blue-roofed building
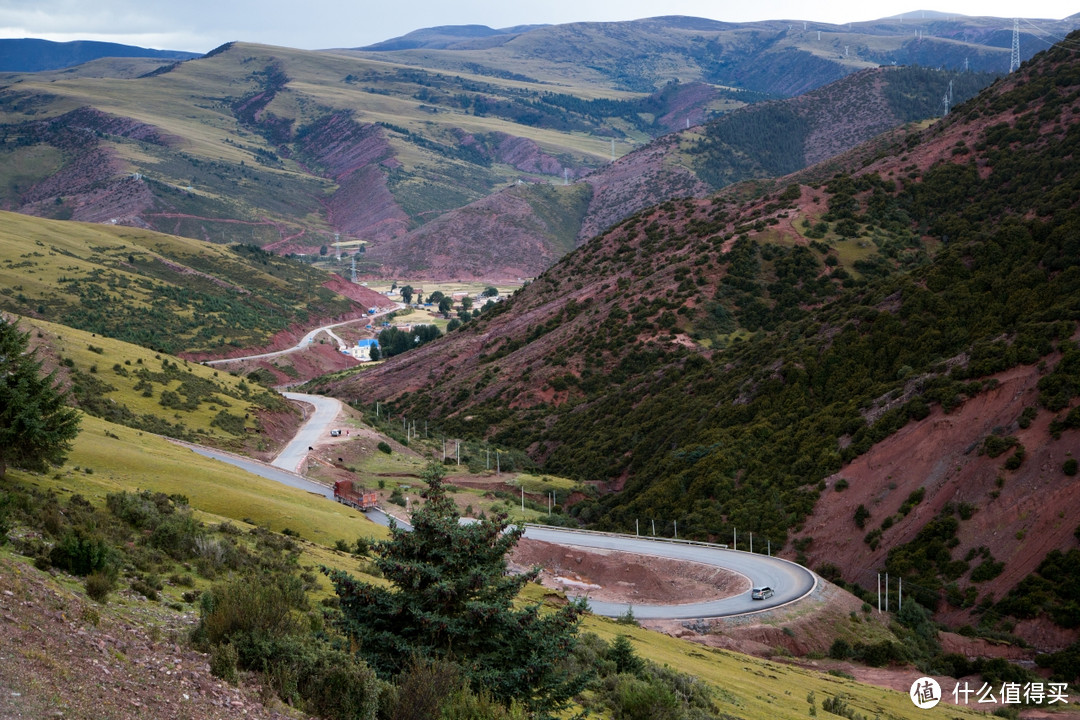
{"points": [[362, 351]]}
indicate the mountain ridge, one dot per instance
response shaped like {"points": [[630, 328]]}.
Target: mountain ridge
{"points": [[35, 55]]}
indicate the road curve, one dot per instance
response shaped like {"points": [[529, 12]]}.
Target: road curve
{"points": [[307, 339], [789, 581], [315, 429]]}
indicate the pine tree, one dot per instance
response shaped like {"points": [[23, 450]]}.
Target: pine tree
{"points": [[452, 600], [36, 426]]}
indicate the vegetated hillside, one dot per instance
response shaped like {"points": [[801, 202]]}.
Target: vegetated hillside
{"points": [[162, 394], [510, 234], [713, 362], [291, 149], [163, 292], [33, 55], [776, 57]]}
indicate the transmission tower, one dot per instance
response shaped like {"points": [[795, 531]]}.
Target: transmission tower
{"points": [[948, 98], [1014, 61]]}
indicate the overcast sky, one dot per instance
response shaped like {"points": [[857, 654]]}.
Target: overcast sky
{"points": [[200, 25]]}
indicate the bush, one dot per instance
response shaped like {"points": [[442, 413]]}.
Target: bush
{"points": [[80, 555], [840, 649], [99, 584], [240, 607], [223, 659], [1068, 467], [384, 447]]}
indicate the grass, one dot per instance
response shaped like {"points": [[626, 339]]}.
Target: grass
{"points": [[750, 687], [120, 458], [116, 363], [169, 291]]}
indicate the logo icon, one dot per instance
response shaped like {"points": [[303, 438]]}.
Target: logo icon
{"points": [[925, 693]]}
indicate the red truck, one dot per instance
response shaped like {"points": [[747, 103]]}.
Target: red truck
{"points": [[346, 492]]}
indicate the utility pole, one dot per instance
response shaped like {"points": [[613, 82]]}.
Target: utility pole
{"points": [[676, 528], [636, 533], [879, 592], [654, 527], [497, 469], [1014, 59], [900, 598], [522, 499], [886, 592], [751, 542], [457, 451], [735, 538]]}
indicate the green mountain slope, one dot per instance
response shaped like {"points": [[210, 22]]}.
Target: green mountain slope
{"points": [[715, 361], [159, 291]]}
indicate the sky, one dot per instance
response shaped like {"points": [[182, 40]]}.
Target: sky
{"points": [[201, 25]]}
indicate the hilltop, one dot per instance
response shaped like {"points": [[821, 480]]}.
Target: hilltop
{"points": [[724, 362]]}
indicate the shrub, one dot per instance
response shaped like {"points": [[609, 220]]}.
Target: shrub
{"points": [[239, 607], [1068, 467], [840, 649], [99, 584], [80, 555], [223, 659], [384, 447]]}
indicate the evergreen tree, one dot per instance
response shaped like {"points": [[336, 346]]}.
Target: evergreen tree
{"points": [[452, 600], [36, 426]]}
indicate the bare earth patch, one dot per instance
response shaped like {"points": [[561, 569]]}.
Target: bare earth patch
{"points": [[64, 656], [613, 576]]}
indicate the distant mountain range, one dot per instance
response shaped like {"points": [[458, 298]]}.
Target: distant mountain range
{"points": [[32, 55]]}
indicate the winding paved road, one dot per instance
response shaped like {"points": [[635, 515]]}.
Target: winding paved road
{"points": [[789, 581], [307, 339]]}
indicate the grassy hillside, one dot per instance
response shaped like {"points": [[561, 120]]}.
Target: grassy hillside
{"points": [[162, 394], [713, 362], [777, 57], [164, 292]]}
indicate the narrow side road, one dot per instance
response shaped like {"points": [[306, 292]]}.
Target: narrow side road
{"points": [[307, 339]]}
